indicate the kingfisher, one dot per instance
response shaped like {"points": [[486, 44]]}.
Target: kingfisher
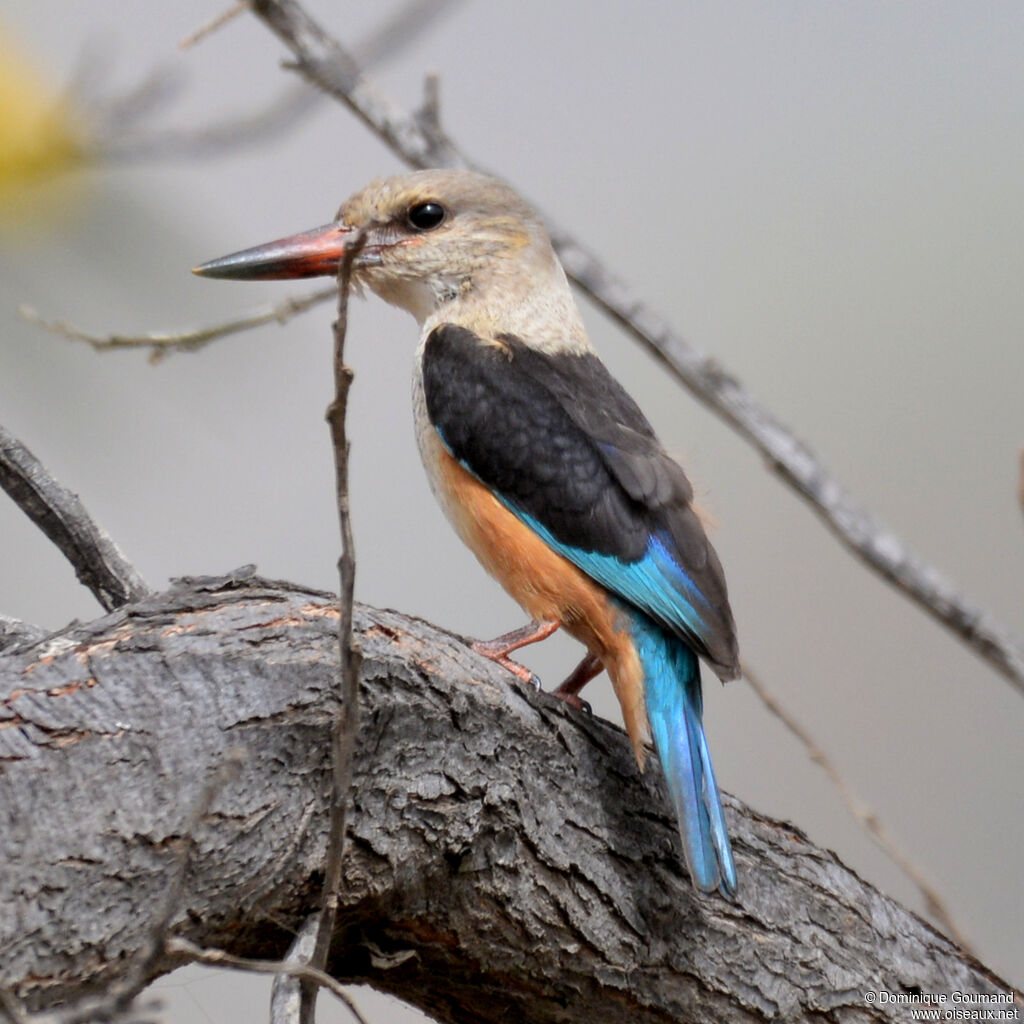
{"points": [[544, 465]]}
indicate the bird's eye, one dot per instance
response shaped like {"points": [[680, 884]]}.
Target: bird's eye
{"points": [[426, 216]]}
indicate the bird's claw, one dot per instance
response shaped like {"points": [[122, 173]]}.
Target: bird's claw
{"points": [[574, 700], [521, 672]]}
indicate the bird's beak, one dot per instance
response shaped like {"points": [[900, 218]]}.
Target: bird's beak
{"points": [[316, 253]]}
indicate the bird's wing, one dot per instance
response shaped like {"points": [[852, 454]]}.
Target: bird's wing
{"points": [[562, 445]]}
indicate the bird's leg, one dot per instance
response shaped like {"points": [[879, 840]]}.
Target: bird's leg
{"points": [[569, 691], [502, 646]]}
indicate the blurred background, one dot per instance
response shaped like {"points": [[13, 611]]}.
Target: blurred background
{"points": [[825, 197]]}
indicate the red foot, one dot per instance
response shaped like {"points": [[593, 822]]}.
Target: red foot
{"points": [[569, 691], [500, 647], [521, 671]]}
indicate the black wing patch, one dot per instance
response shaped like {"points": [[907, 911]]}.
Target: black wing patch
{"points": [[559, 438], [509, 430]]}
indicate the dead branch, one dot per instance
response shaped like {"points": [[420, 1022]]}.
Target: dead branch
{"points": [[121, 129], [61, 516], [213, 24], [505, 860], [161, 344], [346, 724], [298, 970], [322, 60]]}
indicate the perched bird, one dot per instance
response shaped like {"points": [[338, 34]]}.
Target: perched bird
{"points": [[546, 468]]}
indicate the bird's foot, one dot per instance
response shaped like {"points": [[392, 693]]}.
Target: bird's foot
{"points": [[574, 700], [519, 671], [569, 691], [499, 649]]}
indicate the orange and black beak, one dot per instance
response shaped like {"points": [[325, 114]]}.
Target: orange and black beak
{"points": [[316, 253]]}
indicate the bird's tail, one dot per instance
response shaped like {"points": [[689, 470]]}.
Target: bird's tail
{"points": [[674, 707]]}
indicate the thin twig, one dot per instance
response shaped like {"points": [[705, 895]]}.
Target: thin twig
{"points": [[163, 343], [221, 958], [322, 60], [110, 142], [110, 138], [343, 732], [211, 26], [286, 999], [868, 819], [62, 517]]}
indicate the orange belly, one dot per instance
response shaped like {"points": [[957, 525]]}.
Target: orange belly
{"points": [[547, 585]]}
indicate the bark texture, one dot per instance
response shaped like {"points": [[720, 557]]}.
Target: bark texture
{"points": [[506, 861]]}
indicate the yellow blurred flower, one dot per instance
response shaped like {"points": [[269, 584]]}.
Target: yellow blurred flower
{"points": [[38, 138]]}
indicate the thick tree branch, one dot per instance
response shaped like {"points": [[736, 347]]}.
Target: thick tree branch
{"points": [[505, 859], [321, 59], [15, 633], [61, 516]]}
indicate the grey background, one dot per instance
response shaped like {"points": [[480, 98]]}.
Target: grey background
{"points": [[825, 196]]}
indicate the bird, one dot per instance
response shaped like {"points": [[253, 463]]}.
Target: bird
{"points": [[545, 466]]}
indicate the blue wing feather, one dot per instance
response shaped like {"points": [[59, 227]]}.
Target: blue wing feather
{"points": [[654, 583], [674, 707]]}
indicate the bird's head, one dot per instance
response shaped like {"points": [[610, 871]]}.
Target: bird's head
{"points": [[429, 240]]}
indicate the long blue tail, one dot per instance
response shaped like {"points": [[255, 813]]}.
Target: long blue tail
{"points": [[674, 707]]}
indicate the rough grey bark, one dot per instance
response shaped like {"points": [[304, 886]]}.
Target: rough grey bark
{"points": [[506, 861], [15, 633]]}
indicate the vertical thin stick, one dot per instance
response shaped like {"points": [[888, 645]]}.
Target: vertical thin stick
{"points": [[343, 733]]}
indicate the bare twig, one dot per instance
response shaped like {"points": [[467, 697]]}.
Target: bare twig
{"points": [[322, 60], [286, 1001], [868, 819], [110, 141], [211, 26], [135, 1013], [162, 344], [343, 732], [62, 517], [428, 116], [305, 972]]}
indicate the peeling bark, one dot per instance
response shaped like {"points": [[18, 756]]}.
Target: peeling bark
{"points": [[506, 861]]}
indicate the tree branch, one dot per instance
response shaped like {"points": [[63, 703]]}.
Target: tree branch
{"points": [[505, 860], [346, 724], [61, 516], [161, 343], [15, 633], [299, 971], [322, 60]]}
